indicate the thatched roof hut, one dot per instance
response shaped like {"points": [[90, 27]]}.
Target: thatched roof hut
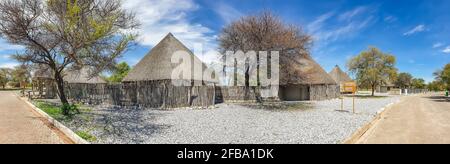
{"points": [[150, 82], [306, 80], [305, 71], [157, 64], [43, 85], [42, 73], [340, 76], [82, 76]]}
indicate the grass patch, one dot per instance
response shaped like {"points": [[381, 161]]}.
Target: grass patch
{"points": [[52, 110], [86, 136], [55, 111], [281, 106]]}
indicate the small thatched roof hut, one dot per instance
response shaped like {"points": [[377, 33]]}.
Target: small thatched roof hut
{"points": [[340, 76], [42, 73], [43, 85], [306, 80], [82, 76], [81, 87], [150, 82]]}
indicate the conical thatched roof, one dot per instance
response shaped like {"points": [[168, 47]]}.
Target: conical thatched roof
{"points": [[82, 77], [157, 64], [340, 76], [305, 71]]}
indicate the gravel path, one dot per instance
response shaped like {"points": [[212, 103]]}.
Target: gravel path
{"points": [[236, 124]]}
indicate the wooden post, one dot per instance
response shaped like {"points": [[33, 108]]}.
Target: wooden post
{"points": [[354, 95]]}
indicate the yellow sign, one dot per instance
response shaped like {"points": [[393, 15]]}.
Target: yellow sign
{"points": [[350, 87]]}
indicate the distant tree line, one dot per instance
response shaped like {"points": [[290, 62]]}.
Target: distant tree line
{"points": [[17, 77]]}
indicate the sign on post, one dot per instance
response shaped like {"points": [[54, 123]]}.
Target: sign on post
{"points": [[351, 87]]}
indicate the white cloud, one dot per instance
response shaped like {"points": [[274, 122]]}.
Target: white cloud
{"points": [[158, 18], [390, 19], [4, 46], [227, 13], [446, 50], [5, 56], [326, 29], [346, 16], [437, 45], [317, 24], [417, 29]]}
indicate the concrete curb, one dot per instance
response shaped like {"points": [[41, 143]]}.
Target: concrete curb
{"points": [[66, 131], [363, 130]]}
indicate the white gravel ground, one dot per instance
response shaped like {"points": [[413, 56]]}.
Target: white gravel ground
{"points": [[234, 124]]}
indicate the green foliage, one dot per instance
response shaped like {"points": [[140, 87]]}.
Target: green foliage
{"points": [[373, 68], [443, 76], [436, 86], [121, 70], [85, 135], [69, 109], [21, 76], [418, 83], [404, 80], [5, 75], [58, 112], [62, 34]]}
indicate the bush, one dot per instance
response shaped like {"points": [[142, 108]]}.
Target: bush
{"points": [[70, 109]]}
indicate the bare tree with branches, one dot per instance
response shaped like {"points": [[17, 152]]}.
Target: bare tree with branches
{"points": [[68, 34], [266, 32]]}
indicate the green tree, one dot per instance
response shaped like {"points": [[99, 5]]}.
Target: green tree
{"points": [[418, 83], [436, 86], [5, 76], [21, 76], [404, 80], [373, 68], [444, 76], [121, 70], [66, 34]]}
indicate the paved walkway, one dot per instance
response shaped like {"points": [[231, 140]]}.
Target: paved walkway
{"points": [[20, 125], [415, 120]]}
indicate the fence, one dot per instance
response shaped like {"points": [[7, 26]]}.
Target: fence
{"points": [[149, 94]]}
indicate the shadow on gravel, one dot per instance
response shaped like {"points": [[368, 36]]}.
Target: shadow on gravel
{"points": [[439, 98], [125, 126]]}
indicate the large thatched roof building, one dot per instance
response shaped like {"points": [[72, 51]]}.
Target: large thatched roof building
{"points": [[151, 83], [307, 80], [340, 77]]}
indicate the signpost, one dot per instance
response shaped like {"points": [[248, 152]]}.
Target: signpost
{"points": [[351, 87]]}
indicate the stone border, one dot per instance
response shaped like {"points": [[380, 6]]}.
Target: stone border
{"points": [[363, 130], [63, 129]]}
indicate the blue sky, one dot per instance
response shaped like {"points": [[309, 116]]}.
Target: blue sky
{"points": [[416, 31]]}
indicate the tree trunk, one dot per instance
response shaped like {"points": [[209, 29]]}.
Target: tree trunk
{"points": [[60, 86], [373, 90]]}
